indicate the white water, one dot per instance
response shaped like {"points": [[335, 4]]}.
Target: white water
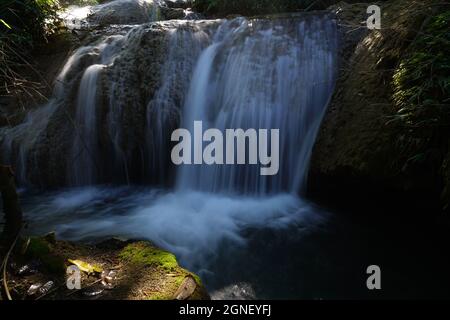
{"points": [[17, 142], [163, 110], [262, 75], [193, 225], [84, 159], [259, 74]]}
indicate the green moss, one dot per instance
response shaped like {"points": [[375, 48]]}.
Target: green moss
{"points": [[38, 248], [145, 254], [173, 283], [41, 249], [160, 296]]}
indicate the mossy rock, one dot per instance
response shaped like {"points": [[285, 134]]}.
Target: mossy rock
{"points": [[39, 248], [145, 254], [144, 272], [165, 266]]}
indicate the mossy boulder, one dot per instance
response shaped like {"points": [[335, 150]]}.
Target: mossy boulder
{"points": [[366, 150], [133, 270], [41, 249], [160, 265], [147, 255]]}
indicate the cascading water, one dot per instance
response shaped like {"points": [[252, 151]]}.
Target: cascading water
{"points": [[163, 110], [262, 74], [126, 92], [84, 160], [18, 142]]}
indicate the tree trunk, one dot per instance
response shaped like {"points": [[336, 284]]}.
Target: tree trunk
{"points": [[11, 205]]}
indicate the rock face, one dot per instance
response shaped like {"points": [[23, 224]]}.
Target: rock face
{"points": [[183, 4], [358, 153], [109, 124], [125, 12]]}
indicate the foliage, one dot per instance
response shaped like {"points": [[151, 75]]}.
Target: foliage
{"points": [[40, 249], [80, 3], [86, 267], [422, 80], [250, 7], [421, 87], [24, 24]]}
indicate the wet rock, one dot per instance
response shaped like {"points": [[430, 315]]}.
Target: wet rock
{"points": [[173, 14], [93, 292], [186, 289], [30, 268], [124, 12], [34, 289], [183, 4], [357, 152], [239, 291], [108, 279], [46, 287], [50, 237]]}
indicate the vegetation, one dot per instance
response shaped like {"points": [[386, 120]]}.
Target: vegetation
{"points": [[421, 86], [40, 248], [250, 7], [145, 254], [24, 24], [422, 81]]}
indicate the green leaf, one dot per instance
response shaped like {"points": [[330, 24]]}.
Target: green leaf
{"points": [[86, 267], [5, 24]]}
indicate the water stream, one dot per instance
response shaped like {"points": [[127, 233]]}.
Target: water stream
{"points": [[116, 104]]}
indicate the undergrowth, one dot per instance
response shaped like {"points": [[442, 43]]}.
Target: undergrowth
{"points": [[24, 24], [421, 95], [422, 80]]}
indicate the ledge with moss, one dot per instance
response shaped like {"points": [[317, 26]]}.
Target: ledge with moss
{"points": [[141, 271]]}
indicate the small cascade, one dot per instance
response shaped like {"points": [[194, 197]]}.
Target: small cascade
{"points": [[84, 158], [18, 142], [163, 110], [118, 100], [262, 74], [84, 147]]}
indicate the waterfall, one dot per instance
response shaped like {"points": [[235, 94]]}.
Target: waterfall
{"points": [[17, 142], [163, 111], [119, 98], [84, 158], [83, 153], [262, 74]]}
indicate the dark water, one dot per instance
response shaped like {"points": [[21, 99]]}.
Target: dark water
{"points": [[246, 248], [331, 262]]}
